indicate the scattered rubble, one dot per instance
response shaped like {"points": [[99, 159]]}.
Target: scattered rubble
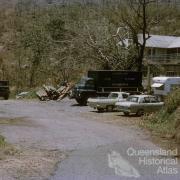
{"points": [[51, 93]]}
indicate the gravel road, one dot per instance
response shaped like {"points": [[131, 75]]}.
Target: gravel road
{"points": [[98, 145]]}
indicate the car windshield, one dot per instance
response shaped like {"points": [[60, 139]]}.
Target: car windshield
{"points": [[113, 96], [132, 99], [82, 81]]}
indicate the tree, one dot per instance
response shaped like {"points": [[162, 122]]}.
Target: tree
{"points": [[138, 19], [31, 38]]}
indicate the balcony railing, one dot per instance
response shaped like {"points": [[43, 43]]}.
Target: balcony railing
{"points": [[163, 59]]}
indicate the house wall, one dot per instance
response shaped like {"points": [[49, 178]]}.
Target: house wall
{"points": [[172, 70], [168, 59]]}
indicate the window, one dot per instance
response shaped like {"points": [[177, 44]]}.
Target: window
{"points": [[90, 83], [160, 88], [153, 99], [132, 99], [113, 96], [125, 96], [146, 100], [82, 81], [171, 73]]}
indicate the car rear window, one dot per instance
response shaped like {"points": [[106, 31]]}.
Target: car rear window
{"points": [[146, 100], [125, 96], [132, 99], [153, 99], [113, 95]]}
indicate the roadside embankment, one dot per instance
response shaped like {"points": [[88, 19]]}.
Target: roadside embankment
{"points": [[166, 123]]}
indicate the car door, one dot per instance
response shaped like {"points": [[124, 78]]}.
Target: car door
{"points": [[155, 105], [112, 99], [145, 104]]}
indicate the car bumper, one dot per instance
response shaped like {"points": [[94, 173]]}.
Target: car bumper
{"points": [[123, 109], [95, 106]]}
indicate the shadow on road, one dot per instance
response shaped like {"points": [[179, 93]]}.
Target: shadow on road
{"points": [[78, 105]]}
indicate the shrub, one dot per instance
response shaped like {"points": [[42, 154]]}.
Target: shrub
{"points": [[165, 121], [172, 101], [2, 141]]}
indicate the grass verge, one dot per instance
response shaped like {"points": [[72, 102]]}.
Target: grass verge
{"points": [[2, 141], [166, 122]]}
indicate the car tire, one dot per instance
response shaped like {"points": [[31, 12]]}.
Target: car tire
{"points": [[100, 110], [140, 112], [82, 102], [126, 113], [109, 108], [6, 97]]}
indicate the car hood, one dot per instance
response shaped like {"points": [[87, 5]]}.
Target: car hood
{"points": [[125, 103]]}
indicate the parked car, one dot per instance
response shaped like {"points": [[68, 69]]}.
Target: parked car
{"points": [[139, 104], [107, 103]]}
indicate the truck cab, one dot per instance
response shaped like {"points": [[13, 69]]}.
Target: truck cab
{"points": [[83, 90]]}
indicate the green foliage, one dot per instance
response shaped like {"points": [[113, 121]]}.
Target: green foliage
{"points": [[165, 121], [2, 141], [48, 44], [161, 123], [172, 102], [56, 28], [31, 94]]}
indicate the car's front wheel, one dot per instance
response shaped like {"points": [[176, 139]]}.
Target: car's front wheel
{"points": [[82, 101], [100, 110], [6, 97]]}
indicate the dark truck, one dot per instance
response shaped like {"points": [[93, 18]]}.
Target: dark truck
{"points": [[102, 82], [4, 89]]}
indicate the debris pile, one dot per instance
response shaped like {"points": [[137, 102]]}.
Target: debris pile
{"points": [[51, 93]]}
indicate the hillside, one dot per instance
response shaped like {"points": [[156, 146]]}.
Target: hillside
{"points": [[12, 2], [49, 44]]}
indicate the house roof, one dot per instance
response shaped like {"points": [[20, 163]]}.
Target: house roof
{"points": [[158, 41]]}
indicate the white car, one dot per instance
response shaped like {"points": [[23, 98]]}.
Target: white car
{"points": [[107, 103], [139, 104]]}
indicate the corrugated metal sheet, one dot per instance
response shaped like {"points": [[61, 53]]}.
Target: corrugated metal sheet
{"points": [[158, 41]]}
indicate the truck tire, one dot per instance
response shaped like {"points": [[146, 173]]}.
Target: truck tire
{"points": [[6, 97], [82, 102], [100, 110]]}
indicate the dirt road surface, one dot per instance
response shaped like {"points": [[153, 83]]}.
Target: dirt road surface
{"points": [[73, 142]]}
